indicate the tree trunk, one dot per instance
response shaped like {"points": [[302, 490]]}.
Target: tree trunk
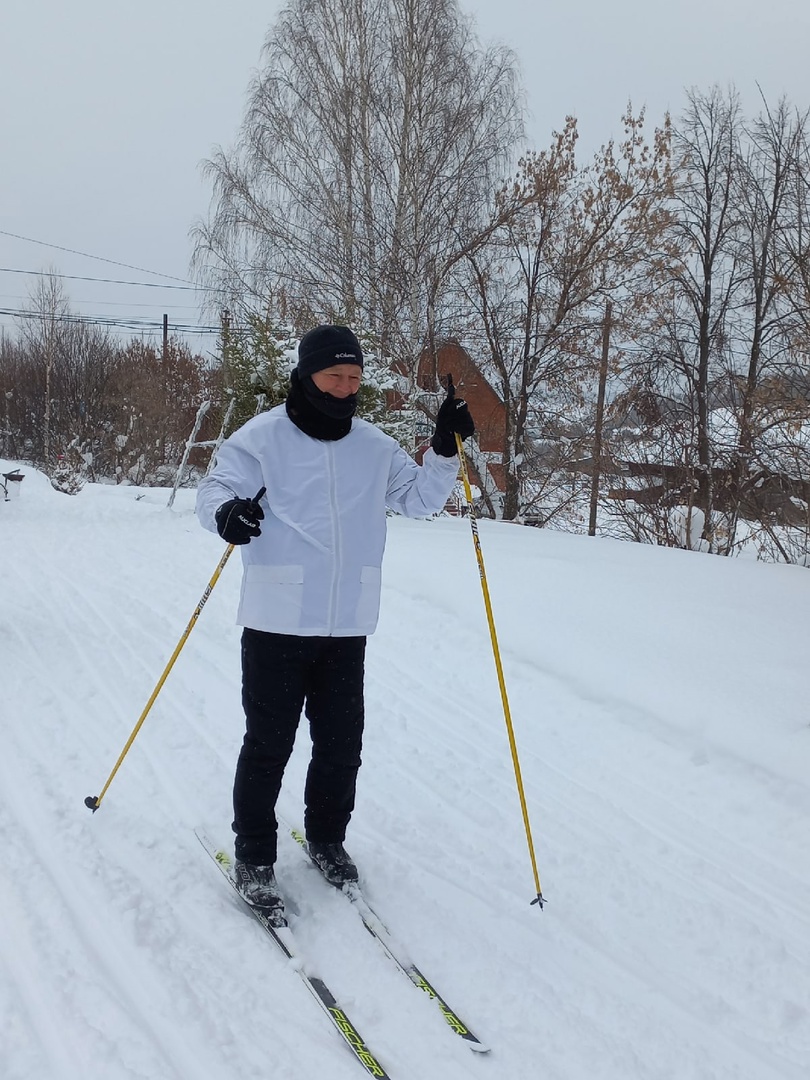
{"points": [[600, 417]]}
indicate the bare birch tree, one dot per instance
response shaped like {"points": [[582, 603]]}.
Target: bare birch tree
{"points": [[41, 323], [374, 135], [693, 331], [771, 203]]}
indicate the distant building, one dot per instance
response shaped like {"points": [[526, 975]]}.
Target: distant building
{"points": [[486, 407]]}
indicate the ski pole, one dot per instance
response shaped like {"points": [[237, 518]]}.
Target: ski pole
{"points": [[465, 477], [94, 801]]}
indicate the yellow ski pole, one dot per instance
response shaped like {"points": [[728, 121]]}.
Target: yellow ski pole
{"points": [[94, 801], [465, 477]]}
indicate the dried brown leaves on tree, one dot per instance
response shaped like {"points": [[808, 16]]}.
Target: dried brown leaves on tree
{"points": [[569, 236]]}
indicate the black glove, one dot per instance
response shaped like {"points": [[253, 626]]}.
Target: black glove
{"points": [[238, 520], [453, 419]]}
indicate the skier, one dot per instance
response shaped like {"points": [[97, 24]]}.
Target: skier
{"points": [[311, 588]]}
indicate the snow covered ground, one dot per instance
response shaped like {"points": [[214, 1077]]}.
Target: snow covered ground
{"points": [[660, 702]]}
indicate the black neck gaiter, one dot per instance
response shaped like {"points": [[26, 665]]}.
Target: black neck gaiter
{"points": [[316, 413]]}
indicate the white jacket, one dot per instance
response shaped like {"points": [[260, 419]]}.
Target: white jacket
{"points": [[315, 569]]}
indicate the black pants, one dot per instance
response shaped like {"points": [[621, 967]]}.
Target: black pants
{"points": [[280, 673]]}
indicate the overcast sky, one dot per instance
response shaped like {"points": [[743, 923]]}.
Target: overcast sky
{"points": [[107, 110]]}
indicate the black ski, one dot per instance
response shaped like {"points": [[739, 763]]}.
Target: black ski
{"points": [[375, 926], [283, 938]]}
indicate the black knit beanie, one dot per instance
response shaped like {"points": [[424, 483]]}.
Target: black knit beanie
{"points": [[326, 346]]}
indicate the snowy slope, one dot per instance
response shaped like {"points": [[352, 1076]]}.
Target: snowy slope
{"points": [[660, 707]]}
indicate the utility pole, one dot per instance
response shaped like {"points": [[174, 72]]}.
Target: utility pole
{"points": [[164, 378], [48, 370], [600, 418], [226, 349]]}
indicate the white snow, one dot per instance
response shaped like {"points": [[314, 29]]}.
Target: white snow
{"points": [[660, 704]]}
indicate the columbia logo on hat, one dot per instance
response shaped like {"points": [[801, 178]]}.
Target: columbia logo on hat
{"points": [[327, 345]]}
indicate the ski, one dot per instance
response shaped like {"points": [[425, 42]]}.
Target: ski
{"points": [[375, 926], [283, 938]]}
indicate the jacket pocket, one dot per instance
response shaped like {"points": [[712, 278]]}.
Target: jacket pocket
{"points": [[273, 595], [368, 604]]}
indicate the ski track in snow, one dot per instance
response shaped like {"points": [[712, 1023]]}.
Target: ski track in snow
{"points": [[690, 876], [675, 944]]}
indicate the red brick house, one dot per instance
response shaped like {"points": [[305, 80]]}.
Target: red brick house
{"points": [[485, 405]]}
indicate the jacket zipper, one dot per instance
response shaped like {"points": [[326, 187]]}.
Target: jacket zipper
{"points": [[333, 597]]}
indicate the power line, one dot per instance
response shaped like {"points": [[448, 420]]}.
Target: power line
{"points": [[108, 281], [99, 258], [134, 323], [108, 303]]}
